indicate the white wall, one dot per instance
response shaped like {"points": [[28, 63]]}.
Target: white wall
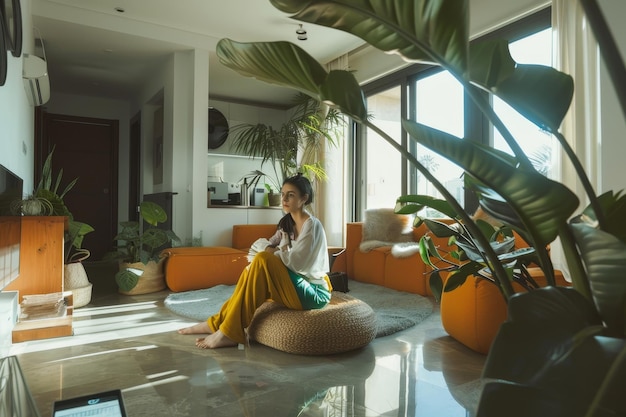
{"points": [[613, 141], [16, 114]]}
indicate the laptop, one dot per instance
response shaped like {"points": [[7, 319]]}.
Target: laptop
{"points": [[102, 404]]}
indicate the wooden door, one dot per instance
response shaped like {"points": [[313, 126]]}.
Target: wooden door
{"points": [[87, 149]]}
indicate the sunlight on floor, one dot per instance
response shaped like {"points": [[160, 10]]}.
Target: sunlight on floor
{"points": [[100, 324]]}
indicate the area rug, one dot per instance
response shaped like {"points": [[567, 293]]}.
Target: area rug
{"points": [[395, 310]]}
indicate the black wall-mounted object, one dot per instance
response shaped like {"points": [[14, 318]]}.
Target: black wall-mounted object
{"points": [[218, 128], [3, 54], [12, 21]]}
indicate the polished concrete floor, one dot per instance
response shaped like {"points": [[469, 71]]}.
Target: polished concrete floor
{"points": [[130, 342]]}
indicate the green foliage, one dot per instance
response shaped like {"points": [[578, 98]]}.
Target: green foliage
{"points": [[137, 245], [47, 200], [301, 138]]}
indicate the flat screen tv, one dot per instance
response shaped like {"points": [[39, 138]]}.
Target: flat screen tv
{"points": [[11, 189]]}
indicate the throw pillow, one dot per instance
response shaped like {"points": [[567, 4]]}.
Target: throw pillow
{"points": [[383, 224]]}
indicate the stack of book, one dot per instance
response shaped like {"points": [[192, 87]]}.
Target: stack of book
{"points": [[42, 306], [43, 316]]}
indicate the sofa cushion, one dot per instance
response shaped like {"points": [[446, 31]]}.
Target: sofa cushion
{"points": [[245, 234], [195, 268]]}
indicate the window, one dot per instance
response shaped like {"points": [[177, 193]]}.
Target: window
{"points": [[438, 103], [434, 98], [384, 163]]}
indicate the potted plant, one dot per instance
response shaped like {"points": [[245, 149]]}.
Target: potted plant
{"points": [[555, 338], [141, 268], [294, 147], [47, 200]]}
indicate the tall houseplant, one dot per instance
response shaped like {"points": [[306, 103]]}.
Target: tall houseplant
{"points": [[47, 200], [141, 268], [297, 145], [555, 337]]}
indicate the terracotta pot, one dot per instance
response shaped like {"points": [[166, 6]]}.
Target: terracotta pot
{"points": [[151, 279]]}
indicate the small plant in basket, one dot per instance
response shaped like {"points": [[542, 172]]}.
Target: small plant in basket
{"points": [[139, 249]]}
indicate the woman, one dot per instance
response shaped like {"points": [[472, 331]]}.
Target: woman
{"points": [[292, 270]]}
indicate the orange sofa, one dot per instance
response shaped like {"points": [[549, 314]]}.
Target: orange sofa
{"points": [[380, 267], [471, 313], [195, 268]]}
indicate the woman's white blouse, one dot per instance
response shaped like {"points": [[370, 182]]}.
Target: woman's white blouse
{"points": [[308, 254]]}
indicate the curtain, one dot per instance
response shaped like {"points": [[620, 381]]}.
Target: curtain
{"points": [[575, 52], [330, 202]]}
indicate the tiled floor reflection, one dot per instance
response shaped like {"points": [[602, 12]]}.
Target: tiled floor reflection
{"points": [[130, 343]]}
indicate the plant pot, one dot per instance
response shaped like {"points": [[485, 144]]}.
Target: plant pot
{"points": [[75, 280], [151, 277], [274, 199]]}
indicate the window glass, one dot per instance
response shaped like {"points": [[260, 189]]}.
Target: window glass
{"points": [[439, 104], [535, 142], [383, 182]]}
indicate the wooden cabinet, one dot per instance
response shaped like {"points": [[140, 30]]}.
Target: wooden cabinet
{"points": [[41, 271], [41, 256]]}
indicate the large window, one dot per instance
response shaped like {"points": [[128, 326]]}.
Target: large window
{"points": [[435, 98]]}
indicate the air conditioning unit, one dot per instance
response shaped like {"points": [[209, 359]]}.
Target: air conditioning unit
{"points": [[36, 82]]}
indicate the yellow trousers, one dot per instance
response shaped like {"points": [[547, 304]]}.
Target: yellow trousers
{"points": [[265, 278]]}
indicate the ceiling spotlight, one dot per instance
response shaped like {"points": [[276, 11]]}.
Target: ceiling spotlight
{"points": [[301, 34]]}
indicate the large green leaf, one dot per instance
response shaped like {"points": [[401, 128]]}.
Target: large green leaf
{"points": [[281, 63], [603, 256], [539, 93], [152, 213], [614, 207], [409, 204], [541, 204], [287, 65], [126, 280], [541, 326], [435, 31]]}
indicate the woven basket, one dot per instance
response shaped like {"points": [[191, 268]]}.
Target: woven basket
{"points": [[345, 324], [75, 280]]}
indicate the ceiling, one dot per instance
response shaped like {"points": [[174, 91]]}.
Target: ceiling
{"points": [[108, 48]]}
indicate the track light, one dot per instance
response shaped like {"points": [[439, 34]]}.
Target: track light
{"points": [[301, 34]]}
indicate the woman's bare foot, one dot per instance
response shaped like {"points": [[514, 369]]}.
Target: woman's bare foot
{"points": [[214, 341], [200, 328]]}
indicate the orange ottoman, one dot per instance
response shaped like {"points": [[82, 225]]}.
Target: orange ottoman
{"points": [[473, 312], [195, 268]]}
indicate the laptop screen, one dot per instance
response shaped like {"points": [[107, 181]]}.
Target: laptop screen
{"points": [[103, 404]]}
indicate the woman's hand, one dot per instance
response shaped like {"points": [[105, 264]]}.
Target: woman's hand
{"points": [[271, 249]]}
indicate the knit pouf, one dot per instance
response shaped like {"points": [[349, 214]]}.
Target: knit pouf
{"points": [[346, 323]]}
